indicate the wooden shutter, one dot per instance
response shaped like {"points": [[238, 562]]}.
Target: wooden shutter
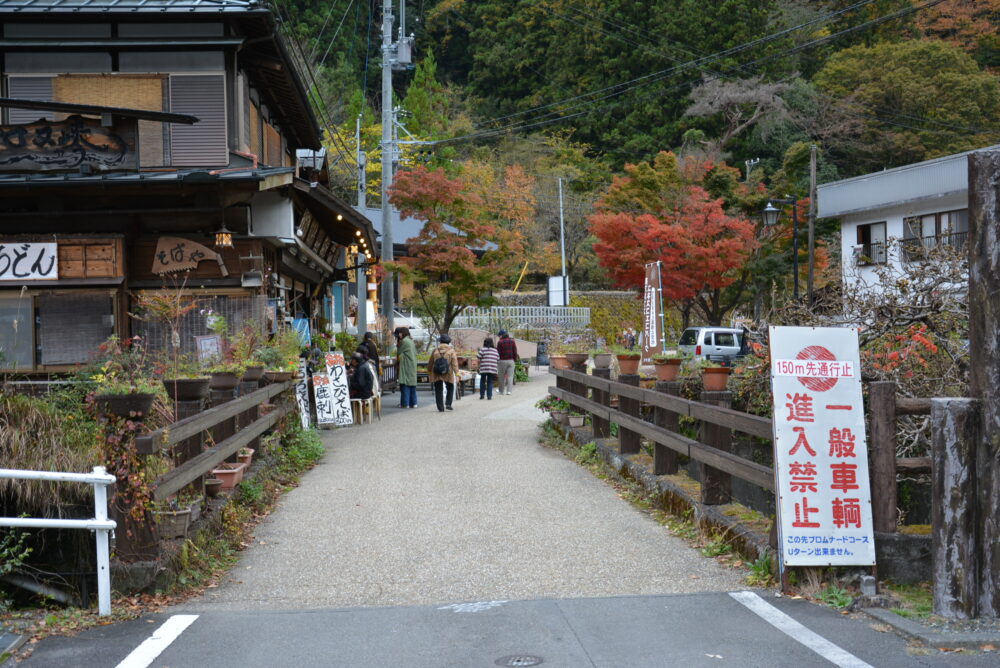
{"points": [[71, 327], [29, 88], [203, 144]]}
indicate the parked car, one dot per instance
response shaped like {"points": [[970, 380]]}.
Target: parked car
{"points": [[718, 344]]}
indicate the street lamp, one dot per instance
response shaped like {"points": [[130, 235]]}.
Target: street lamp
{"points": [[770, 216]]}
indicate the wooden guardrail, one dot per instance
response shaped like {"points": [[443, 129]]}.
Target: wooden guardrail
{"points": [[178, 432]]}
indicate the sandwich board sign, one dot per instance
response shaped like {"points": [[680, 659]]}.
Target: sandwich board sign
{"points": [[820, 448], [340, 399]]}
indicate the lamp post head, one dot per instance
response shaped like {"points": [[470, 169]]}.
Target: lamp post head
{"points": [[770, 214]]}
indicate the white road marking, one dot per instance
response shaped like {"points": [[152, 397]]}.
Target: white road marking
{"points": [[478, 606], [797, 632], [153, 646]]}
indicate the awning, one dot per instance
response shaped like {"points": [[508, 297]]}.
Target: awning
{"points": [[338, 219]]}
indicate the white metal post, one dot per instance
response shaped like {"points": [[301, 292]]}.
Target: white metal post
{"points": [[103, 551], [562, 247]]}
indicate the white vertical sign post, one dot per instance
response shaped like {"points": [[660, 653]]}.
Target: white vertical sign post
{"points": [[340, 397], [820, 446], [302, 395], [323, 396]]}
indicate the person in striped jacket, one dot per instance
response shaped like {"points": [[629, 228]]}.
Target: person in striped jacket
{"points": [[488, 360]]}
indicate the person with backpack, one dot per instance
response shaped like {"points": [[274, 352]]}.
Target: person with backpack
{"points": [[488, 359], [442, 368]]}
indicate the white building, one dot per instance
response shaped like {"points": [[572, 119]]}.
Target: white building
{"points": [[922, 205]]}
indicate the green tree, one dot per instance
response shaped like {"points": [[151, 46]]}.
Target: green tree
{"points": [[924, 99]]}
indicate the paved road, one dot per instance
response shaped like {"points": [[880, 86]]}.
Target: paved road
{"points": [[455, 540], [465, 505]]}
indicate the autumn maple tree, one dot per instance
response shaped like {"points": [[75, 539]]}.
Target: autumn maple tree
{"points": [[471, 241], [657, 211]]}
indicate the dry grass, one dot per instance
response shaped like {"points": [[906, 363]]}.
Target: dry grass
{"points": [[45, 435]]}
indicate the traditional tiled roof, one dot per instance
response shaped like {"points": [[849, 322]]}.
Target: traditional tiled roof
{"points": [[193, 176], [116, 6]]}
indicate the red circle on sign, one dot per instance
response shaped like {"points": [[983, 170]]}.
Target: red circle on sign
{"points": [[817, 353]]}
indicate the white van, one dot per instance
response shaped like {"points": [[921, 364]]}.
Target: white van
{"points": [[718, 344]]}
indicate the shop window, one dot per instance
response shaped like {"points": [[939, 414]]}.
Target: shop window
{"points": [[17, 332], [72, 327]]}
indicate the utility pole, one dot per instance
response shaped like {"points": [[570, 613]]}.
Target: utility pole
{"points": [[362, 161], [562, 245], [388, 156], [812, 223]]}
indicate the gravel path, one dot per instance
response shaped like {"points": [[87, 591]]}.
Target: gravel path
{"points": [[427, 507]]}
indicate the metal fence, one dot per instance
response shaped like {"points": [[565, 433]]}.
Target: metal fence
{"points": [[523, 317]]}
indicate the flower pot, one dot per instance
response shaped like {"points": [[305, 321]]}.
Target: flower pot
{"points": [[602, 360], [247, 458], [667, 369], [715, 379], [628, 364], [577, 358], [195, 509], [557, 416], [230, 474], [253, 373], [134, 406], [172, 523], [277, 376], [186, 389], [558, 362], [575, 420], [225, 380], [212, 487]]}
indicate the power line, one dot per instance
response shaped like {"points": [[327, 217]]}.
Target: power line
{"points": [[334, 38]]}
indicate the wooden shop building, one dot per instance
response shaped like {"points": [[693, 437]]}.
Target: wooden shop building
{"points": [[148, 145]]}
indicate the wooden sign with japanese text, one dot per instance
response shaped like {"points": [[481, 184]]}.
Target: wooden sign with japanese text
{"points": [[652, 340], [302, 395], [821, 456], [67, 145], [340, 394], [177, 254], [323, 397]]}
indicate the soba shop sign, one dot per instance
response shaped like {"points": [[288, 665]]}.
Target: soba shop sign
{"points": [[74, 143], [28, 262]]}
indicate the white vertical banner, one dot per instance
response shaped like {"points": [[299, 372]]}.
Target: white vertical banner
{"points": [[323, 396], [302, 395], [339, 393], [651, 343], [820, 446]]}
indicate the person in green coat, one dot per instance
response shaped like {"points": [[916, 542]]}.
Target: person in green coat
{"points": [[406, 350]]}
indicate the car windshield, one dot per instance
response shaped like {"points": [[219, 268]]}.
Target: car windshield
{"points": [[689, 337]]}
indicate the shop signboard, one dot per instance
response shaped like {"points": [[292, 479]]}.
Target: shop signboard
{"points": [[29, 262]]}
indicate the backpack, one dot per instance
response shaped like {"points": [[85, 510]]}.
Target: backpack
{"points": [[441, 366]]}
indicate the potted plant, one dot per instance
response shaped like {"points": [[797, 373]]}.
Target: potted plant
{"points": [[230, 474], [225, 375], [668, 366], [182, 378], [628, 360], [602, 358], [575, 419], [172, 518], [559, 410], [212, 487], [546, 403], [244, 347], [245, 456], [124, 387], [714, 376]]}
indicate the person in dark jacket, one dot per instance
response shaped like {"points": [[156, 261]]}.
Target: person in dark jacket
{"points": [[370, 349], [363, 379]]}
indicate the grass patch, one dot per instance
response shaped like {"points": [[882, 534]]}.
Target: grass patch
{"points": [[917, 600]]}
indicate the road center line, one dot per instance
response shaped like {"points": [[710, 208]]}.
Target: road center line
{"points": [[797, 632], [153, 646]]}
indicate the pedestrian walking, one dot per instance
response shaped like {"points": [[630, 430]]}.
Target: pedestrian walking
{"points": [[507, 350], [488, 359], [442, 368], [406, 350]]}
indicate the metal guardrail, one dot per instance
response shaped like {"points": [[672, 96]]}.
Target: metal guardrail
{"points": [[100, 523], [521, 317]]}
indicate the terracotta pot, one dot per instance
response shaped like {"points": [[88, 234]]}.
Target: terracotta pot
{"points": [[247, 458], [577, 358], [230, 474], [558, 362], [575, 420], [715, 379], [253, 373], [186, 389], [224, 381], [212, 487], [667, 369], [134, 406], [602, 360], [277, 376], [628, 364], [172, 523]]}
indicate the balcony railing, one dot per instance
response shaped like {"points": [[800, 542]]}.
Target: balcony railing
{"points": [[917, 249], [873, 253]]}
